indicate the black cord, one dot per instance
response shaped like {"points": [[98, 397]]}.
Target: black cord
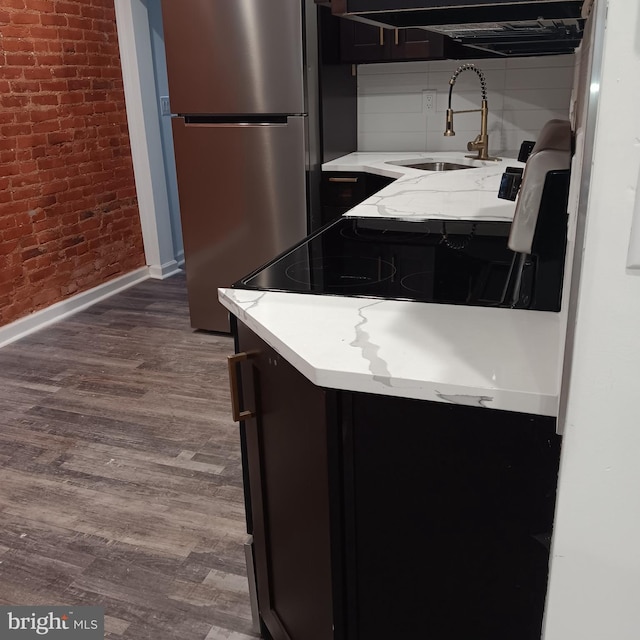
{"points": [[459, 244]]}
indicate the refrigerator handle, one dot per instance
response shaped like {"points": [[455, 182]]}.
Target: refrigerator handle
{"points": [[236, 121]]}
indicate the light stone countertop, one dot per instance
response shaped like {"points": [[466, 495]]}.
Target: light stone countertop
{"points": [[487, 357], [467, 194]]}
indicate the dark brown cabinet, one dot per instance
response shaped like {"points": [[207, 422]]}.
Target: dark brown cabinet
{"points": [[343, 190], [361, 43], [451, 518], [377, 517], [287, 471], [473, 28], [417, 44]]}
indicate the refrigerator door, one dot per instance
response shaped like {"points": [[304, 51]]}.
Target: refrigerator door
{"points": [[234, 56], [242, 202]]}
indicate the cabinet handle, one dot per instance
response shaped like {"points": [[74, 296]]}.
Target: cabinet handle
{"points": [[343, 179], [232, 362], [396, 38], [381, 37]]}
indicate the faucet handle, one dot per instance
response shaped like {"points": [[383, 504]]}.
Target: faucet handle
{"points": [[476, 144]]}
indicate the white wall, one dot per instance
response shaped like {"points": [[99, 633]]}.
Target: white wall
{"points": [[523, 93], [134, 39], [162, 89], [594, 590]]}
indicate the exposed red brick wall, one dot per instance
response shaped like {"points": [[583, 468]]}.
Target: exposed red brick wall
{"points": [[68, 211]]}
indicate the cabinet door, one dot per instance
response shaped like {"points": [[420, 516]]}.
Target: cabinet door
{"points": [[289, 489], [417, 44], [360, 42], [344, 189], [451, 515]]}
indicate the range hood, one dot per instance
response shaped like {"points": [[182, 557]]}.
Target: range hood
{"points": [[503, 27]]}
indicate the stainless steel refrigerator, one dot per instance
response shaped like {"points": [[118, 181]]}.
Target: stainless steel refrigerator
{"points": [[243, 83]]}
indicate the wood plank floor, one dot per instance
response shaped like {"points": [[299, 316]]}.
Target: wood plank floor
{"points": [[120, 475]]}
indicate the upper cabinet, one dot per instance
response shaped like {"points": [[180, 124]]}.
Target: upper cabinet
{"points": [[496, 27], [361, 42]]}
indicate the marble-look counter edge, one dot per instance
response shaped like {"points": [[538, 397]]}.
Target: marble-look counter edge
{"points": [[507, 360]]}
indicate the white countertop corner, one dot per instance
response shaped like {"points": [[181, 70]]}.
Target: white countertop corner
{"points": [[487, 357]]}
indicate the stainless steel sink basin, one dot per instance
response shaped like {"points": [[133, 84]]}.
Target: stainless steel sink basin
{"points": [[433, 166]]}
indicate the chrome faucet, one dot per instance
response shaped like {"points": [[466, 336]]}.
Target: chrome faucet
{"points": [[481, 142]]}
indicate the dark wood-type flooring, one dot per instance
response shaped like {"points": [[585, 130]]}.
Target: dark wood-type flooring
{"points": [[120, 478]]}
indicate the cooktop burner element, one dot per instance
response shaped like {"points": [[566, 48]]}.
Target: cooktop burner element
{"points": [[450, 261], [418, 283], [344, 271]]}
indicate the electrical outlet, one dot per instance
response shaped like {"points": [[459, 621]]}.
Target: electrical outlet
{"points": [[429, 100], [165, 109]]}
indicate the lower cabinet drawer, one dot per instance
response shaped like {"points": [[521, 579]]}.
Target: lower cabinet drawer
{"points": [[341, 191], [344, 189]]}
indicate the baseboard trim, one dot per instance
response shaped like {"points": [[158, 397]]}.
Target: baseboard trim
{"points": [[165, 270], [39, 319]]}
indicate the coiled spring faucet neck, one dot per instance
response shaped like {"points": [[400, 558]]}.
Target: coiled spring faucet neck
{"points": [[481, 143], [468, 67]]}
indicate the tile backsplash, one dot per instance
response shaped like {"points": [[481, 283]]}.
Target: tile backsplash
{"points": [[523, 93]]}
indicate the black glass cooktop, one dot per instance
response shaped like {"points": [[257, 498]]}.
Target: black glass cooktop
{"points": [[449, 261]]}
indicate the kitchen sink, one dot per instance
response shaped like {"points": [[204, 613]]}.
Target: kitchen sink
{"points": [[432, 165]]}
